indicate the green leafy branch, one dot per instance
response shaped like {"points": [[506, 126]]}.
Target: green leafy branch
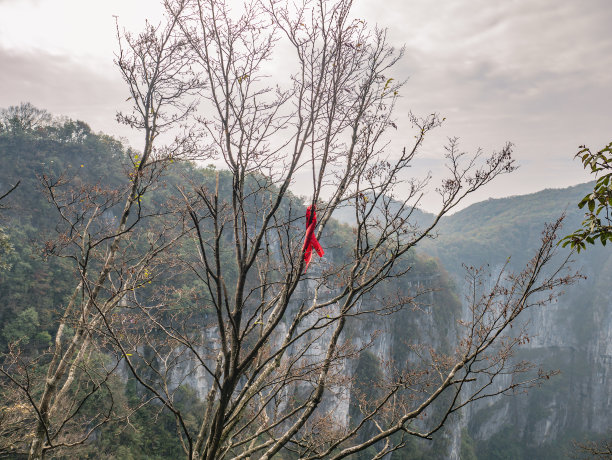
{"points": [[597, 225]]}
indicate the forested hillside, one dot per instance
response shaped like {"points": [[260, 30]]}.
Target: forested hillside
{"points": [[35, 285], [493, 230], [572, 335], [32, 287]]}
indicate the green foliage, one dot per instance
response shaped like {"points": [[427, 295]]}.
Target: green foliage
{"points": [[597, 225], [6, 249], [23, 327], [150, 435], [23, 118], [502, 445], [367, 375], [364, 393], [33, 144]]}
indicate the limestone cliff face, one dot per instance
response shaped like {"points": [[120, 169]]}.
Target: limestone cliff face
{"points": [[573, 335], [385, 337]]}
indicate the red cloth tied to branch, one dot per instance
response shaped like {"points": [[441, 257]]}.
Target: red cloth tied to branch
{"points": [[310, 241]]}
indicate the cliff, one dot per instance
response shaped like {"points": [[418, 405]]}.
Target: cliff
{"points": [[573, 335]]}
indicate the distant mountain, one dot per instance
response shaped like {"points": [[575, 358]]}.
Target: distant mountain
{"points": [[493, 230]]}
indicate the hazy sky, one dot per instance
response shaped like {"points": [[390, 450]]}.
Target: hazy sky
{"points": [[534, 72]]}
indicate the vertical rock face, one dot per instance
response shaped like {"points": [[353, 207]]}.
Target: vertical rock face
{"points": [[189, 372], [573, 335], [386, 341]]}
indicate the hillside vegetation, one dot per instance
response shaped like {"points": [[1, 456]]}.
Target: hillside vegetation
{"points": [[35, 286]]}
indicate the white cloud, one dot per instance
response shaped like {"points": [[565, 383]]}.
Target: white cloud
{"points": [[63, 86], [84, 29], [535, 72]]}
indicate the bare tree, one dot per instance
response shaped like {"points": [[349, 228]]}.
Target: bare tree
{"points": [[268, 336], [9, 191], [111, 236]]}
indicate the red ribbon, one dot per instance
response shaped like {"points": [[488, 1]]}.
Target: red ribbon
{"points": [[310, 241]]}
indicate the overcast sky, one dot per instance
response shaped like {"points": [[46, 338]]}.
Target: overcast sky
{"points": [[534, 72]]}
